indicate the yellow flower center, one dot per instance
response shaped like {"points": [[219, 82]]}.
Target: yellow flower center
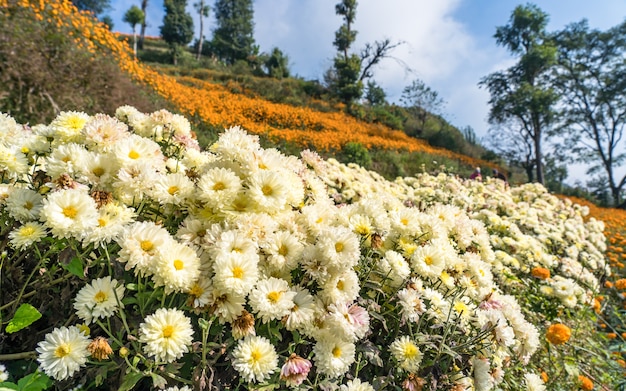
{"points": [[196, 290], [237, 272], [62, 351], [28, 205], [70, 212], [428, 260], [178, 264], [98, 171], [267, 190], [133, 154], [339, 247], [219, 186], [75, 123], [410, 351], [27, 231], [146, 245], [100, 297], [173, 190], [102, 222], [168, 331], [337, 351], [283, 250], [255, 355], [404, 221], [274, 296], [340, 285]]}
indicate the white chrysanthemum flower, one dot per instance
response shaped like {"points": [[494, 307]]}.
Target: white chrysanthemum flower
{"points": [[255, 358], [134, 182], [268, 191], [24, 204], [200, 292], [174, 189], [177, 267], [333, 357], [136, 149], [69, 213], [235, 144], [406, 353], [139, 246], [66, 159], [429, 260], [67, 126], [112, 221], [13, 162], [63, 352], [339, 248], [271, 299], [99, 299], [283, 251], [316, 217], [97, 169], [166, 334], [176, 388], [303, 312], [348, 322], [394, 268], [534, 382], [103, 132], [29, 233], [338, 288], [235, 273], [226, 306], [411, 304], [356, 385], [482, 374]]}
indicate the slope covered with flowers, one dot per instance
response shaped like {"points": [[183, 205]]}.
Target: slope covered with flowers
{"points": [[217, 107], [242, 268]]}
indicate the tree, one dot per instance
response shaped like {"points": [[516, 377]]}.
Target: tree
{"points": [[203, 12], [345, 78], [108, 21], [142, 34], [233, 39], [177, 28], [277, 64], [95, 6], [134, 16], [420, 100], [374, 94], [591, 77], [521, 95]]}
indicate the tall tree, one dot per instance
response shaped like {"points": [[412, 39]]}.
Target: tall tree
{"points": [[95, 6], [420, 100], [277, 64], [203, 12], [142, 34], [522, 94], [134, 16], [591, 77], [233, 38], [345, 78], [177, 28]]}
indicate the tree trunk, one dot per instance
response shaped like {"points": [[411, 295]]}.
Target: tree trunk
{"points": [[538, 153], [144, 6], [135, 41], [201, 28]]}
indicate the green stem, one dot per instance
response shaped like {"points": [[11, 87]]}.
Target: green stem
{"points": [[33, 293], [18, 356]]}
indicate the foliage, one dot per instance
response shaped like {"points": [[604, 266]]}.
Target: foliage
{"points": [[95, 6], [521, 96], [277, 64], [177, 28], [134, 16], [356, 153], [233, 38], [421, 101]]}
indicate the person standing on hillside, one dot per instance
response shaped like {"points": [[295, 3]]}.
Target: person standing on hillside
{"points": [[476, 174]]}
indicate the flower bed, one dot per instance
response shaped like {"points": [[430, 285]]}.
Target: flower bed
{"points": [[242, 268]]}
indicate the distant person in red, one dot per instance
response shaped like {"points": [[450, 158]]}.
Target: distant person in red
{"points": [[499, 175], [476, 174]]}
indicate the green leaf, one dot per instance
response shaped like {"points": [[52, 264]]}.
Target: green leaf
{"points": [[75, 267], [36, 381], [25, 315], [7, 386], [130, 380]]}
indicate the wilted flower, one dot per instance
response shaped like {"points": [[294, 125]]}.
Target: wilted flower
{"points": [[295, 370], [100, 348]]}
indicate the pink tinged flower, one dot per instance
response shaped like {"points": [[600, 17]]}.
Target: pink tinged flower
{"points": [[295, 370]]}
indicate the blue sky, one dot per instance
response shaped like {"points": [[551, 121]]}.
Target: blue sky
{"points": [[447, 43]]}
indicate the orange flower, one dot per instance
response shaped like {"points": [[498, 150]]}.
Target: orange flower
{"points": [[621, 363], [544, 376], [620, 284], [585, 383], [597, 306], [611, 335], [558, 334], [608, 284], [541, 273]]}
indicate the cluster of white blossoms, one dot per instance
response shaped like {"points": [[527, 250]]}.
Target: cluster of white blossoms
{"points": [[321, 266]]}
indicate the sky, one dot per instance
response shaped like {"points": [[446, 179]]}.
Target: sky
{"points": [[448, 44]]}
